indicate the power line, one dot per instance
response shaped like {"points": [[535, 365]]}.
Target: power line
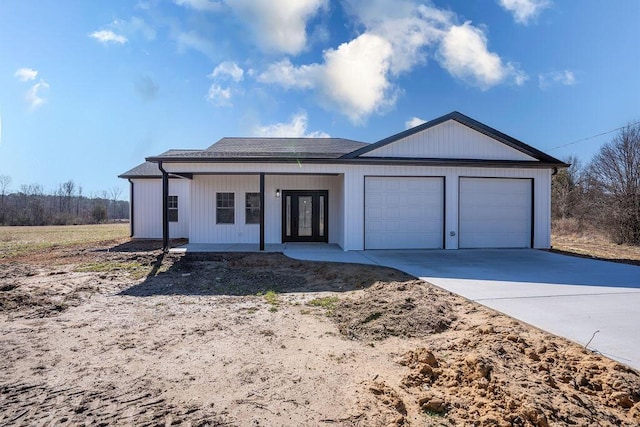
{"points": [[594, 136]]}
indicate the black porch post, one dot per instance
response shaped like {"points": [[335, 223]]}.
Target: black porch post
{"points": [[262, 211], [165, 208]]}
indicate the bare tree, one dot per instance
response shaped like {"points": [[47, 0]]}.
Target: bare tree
{"points": [[615, 172], [115, 194], [566, 190], [67, 191], [78, 201], [5, 182], [66, 204]]}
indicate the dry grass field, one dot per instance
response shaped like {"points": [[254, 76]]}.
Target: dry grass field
{"points": [[98, 330], [573, 238], [16, 241]]}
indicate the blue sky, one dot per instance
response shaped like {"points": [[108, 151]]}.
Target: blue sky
{"points": [[89, 88]]}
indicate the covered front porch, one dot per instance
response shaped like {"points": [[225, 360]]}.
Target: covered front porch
{"points": [[264, 210]]}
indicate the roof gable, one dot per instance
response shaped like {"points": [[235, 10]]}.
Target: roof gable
{"points": [[449, 140], [453, 136]]}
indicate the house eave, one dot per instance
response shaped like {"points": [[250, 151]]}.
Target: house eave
{"points": [[370, 161]]}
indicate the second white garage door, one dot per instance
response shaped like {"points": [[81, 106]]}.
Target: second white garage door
{"points": [[495, 213], [404, 213]]}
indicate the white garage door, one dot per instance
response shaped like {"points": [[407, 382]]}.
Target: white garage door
{"points": [[495, 213], [404, 213]]}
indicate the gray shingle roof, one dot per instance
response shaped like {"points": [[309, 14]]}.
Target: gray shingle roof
{"points": [[306, 148], [150, 169], [339, 150], [143, 170]]}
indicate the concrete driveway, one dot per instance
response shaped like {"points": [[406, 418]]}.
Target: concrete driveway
{"points": [[567, 296]]}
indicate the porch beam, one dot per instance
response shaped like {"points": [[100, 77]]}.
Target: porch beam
{"points": [[262, 211]]}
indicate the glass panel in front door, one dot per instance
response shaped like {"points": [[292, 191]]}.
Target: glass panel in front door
{"points": [[305, 216], [321, 212], [288, 216]]}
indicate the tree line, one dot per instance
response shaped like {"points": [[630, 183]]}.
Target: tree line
{"points": [[605, 193], [66, 205]]}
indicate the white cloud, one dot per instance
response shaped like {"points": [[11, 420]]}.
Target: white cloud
{"points": [[357, 78], [144, 5], [202, 5], [33, 95], [566, 78], [192, 40], [108, 36], [413, 122], [278, 26], [524, 10], [415, 30], [296, 127], [465, 55], [288, 76], [352, 78], [410, 28], [133, 27], [227, 69], [219, 96], [25, 74]]}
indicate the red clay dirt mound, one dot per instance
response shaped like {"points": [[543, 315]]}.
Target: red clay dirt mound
{"points": [[481, 368]]}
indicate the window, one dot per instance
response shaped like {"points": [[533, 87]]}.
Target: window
{"points": [[173, 208], [252, 208], [225, 208]]}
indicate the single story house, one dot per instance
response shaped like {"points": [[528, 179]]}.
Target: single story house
{"points": [[449, 183]]}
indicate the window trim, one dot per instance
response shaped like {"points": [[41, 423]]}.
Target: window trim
{"points": [[229, 201]]}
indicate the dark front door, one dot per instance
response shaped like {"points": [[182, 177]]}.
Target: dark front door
{"points": [[305, 215]]}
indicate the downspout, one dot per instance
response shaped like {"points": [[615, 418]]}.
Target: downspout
{"points": [[165, 208], [131, 218], [555, 171]]}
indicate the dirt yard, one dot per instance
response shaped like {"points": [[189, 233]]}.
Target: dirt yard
{"points": [[116, 333]]}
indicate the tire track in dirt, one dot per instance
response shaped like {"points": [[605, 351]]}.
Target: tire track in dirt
{"points": [[39, 404]]}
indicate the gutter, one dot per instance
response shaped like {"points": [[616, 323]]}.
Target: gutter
{"points": [[367, 161]]}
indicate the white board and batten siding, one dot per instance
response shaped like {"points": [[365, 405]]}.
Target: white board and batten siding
{"points": [[449, 140], [204, 228], [147, 207], [362, 197], [495, 213], [354, 188], [404, 212]]}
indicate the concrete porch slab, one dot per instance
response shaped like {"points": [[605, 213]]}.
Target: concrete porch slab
{"points": [[221, 247]]}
